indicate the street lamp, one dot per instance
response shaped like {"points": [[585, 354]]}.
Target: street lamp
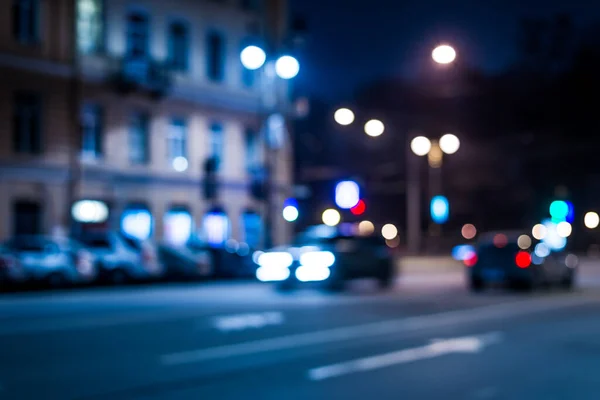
{"points": [[344, 116], [443, 54], [253, 57], [374, 128], [286, 67], [420, 146], [449, 143]]}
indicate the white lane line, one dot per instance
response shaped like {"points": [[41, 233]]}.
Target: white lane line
{"points": [[242, 322], [437, 348], [369, 330]]}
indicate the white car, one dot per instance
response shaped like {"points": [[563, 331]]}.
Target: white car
{"points": [[122, 259], [51, 260]]}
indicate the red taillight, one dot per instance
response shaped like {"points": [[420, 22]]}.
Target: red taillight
{"points": [[471, 260], [523, 259]]}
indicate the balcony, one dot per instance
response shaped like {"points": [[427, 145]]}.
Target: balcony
{"points": [[137, 74]]}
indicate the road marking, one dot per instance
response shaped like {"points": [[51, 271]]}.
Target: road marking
{"points": [[241, 322], [369, 330], [437, 348]]}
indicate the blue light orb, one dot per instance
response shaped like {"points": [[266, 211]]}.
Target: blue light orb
{"points": [[439, 209]]}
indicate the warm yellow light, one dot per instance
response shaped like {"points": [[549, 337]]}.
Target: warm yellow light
{"points": [[443, 54], [389, 231], [366, 228], [331, 217], [539, 231], [591, 220], [374, 128]]}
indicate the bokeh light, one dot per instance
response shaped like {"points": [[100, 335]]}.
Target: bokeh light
{"points": [[541, 250], [347, 194], [539, 231], [359, 208], [468, 231], [439, 209], [344, 116], [449, 143], [559, 210], [591, 220], [287, 67], [389, 231], [500, 240], [290, 213], [420, 145], [253, 57], [564, 229], [374, 128], [366, 228], [331, 217], [393, 243], [443, 54], [524, 242]]}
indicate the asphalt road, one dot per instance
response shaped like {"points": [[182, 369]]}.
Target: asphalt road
{"points": [[426, 339]]}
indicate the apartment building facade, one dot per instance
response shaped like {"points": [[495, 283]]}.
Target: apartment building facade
{"points": [[141, 106]]}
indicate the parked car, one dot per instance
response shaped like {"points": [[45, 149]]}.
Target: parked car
{"points": [[328, 261], [200, 260], [503, 262], [186, 261], [48, 260], [122, 259]]}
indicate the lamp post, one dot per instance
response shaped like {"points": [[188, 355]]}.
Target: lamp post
{"points": [[285, 67]]}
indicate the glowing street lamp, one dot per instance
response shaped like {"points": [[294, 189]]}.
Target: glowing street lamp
{"points": [[449, 143], [344, 116], [331, 217], [287, 67], [253, 57], [420, 145], [591, 220], [443, 54], [374, 128]]}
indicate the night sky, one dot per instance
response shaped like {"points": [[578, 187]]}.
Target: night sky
{"points": [[352, 42]]}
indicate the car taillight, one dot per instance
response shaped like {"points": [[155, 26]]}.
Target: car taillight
{"points": [[471, 260], [523, 259]]}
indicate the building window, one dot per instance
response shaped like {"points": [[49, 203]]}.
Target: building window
{"points": [[90, 21], [179, 46], [26, 20], [27, 123], [138, 34], [177, 139], [91, 126], [252, 150], [178, 226], [216, 57], [138, 139], [216, 142], [136, 222], [215, 227], [252, 225]]}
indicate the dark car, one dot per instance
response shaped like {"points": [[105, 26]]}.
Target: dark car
{"points": [[506, 263], [327, 261]]}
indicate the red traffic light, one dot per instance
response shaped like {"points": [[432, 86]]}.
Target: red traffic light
{"points": [[359, 208]]}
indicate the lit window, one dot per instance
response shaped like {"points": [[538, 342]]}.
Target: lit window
{"points": [[177, 226], [136, 222], [252, 225], [216, 227], [89, 25]]}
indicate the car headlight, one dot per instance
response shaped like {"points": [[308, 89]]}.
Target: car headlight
{"points": [[317, 259], [272, 274], [275, 259]]}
